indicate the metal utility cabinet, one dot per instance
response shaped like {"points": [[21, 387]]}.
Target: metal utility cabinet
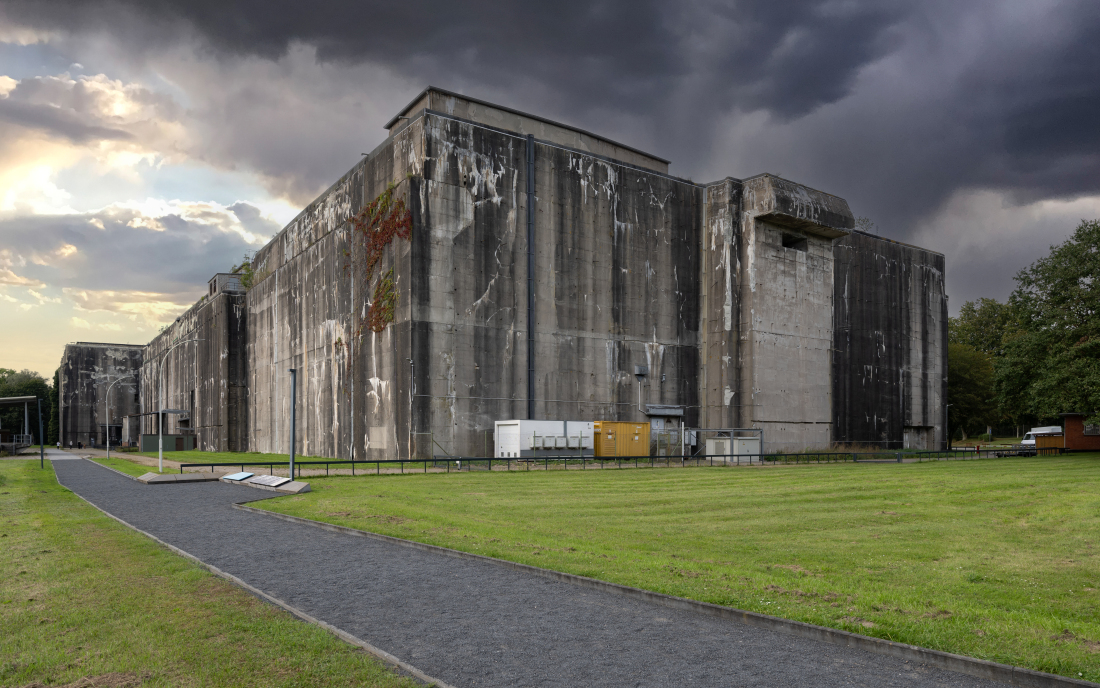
{"points": [[616, 438], [530, 438]]}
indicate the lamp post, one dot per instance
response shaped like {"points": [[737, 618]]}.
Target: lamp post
{"points": [[107, 411], [293, 409], [947, 423], [160, 402], [412, 399]]}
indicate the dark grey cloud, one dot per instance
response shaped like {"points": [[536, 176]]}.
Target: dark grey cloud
{"points": [[787, 57], [902, 108], [119, 249], [61, 123]]}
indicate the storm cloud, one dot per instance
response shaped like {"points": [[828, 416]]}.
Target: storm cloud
{"points": [[968, 128]]}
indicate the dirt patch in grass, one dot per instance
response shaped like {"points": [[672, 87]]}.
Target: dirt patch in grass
{"points": [[115, 679]]}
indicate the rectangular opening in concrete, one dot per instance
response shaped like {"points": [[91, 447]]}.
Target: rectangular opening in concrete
{"points": [[794, 241]]}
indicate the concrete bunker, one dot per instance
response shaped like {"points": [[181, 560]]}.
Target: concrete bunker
{"points": [[542, 267]]}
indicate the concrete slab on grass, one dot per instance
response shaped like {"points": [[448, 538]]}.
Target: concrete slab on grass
{"points": [[293, 487], [172, 478]]}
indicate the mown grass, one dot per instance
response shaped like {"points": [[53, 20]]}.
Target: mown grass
{"points": [[124, 465], [996, 559], [84, 596]]}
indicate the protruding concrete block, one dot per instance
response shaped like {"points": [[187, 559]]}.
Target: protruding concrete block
{"points": [[173, 478], [295, 487]]}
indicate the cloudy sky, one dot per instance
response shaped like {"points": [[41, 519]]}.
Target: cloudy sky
{"points": [[146, 145]]}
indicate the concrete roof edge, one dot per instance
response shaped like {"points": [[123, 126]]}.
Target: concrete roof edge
{"points": [[135, 346], [895, 241], [578, 151], [776, 176], [513, 111], [362, 161], [716, 182]]}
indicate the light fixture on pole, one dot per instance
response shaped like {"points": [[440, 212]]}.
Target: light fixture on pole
{"points": [[160, 401], [107, 411]]}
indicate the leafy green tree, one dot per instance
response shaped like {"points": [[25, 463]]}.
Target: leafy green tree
{"points": [[981, 324], [22, 384], [1052, 353], [969, 389], [53, 433]]}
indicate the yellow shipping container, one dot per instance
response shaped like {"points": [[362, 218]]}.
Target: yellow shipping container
{"points": [[616, 438]]}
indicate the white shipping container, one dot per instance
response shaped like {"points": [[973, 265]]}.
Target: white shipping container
{"points": [[527, 438]]}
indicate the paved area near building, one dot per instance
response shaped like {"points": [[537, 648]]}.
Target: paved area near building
{"points": [[52, 453], [472, 623]]}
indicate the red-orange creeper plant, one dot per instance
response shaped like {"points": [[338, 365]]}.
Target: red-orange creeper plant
{"points": [[373, 229]]}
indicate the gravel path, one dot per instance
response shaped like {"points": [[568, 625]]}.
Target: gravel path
{"points": [[472, 623]]}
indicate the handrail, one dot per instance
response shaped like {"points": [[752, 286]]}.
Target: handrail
{"points": [[685, 460]]}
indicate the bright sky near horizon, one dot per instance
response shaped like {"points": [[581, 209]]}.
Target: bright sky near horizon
{"points": [[145, 146]]}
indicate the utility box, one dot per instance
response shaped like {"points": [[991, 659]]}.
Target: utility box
{"points": [[536, 438], [719, 446], [743, 446], [616, 438], [150, 443]]}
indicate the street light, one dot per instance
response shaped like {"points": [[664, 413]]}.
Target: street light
{"points": [[107, 411], [947, 423], [160, 402]]}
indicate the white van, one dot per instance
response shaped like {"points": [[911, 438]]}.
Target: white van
{"points": [[1029, 438]]}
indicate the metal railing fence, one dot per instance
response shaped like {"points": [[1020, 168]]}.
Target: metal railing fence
{"points": [[441, 464]]}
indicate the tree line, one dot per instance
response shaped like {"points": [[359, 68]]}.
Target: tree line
{"points": [[27, 383], [1025, 361]]}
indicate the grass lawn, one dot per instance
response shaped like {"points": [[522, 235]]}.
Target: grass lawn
{"points": [[125, 465], [997, 559], [84, 596]]}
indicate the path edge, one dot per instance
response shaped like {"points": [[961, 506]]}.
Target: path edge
{"points": [[115, 470], [378, 653], [971, 666]]}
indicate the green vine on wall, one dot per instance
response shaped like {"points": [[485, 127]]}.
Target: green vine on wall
{"points": [[247, 275], [373, 229], [384, 305]]}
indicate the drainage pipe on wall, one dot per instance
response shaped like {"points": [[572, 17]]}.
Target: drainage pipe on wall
{"points": [[530, 276]]}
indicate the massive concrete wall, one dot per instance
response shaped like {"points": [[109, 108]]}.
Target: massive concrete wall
{"points": [[890, 322], [205, 378], [615, 283], [767, 282], [744, 299], [788, 232], [86, 372], [306, 311]]}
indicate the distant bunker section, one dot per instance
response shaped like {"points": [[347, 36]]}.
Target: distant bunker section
{"points": [[484, 265]]}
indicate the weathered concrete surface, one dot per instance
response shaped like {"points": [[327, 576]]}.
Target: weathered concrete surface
{"points": [[745, 302], [521, 124], [87, 370], [767, 309], [615, 264], [305, 313], [890, 321], [206, 378]]}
